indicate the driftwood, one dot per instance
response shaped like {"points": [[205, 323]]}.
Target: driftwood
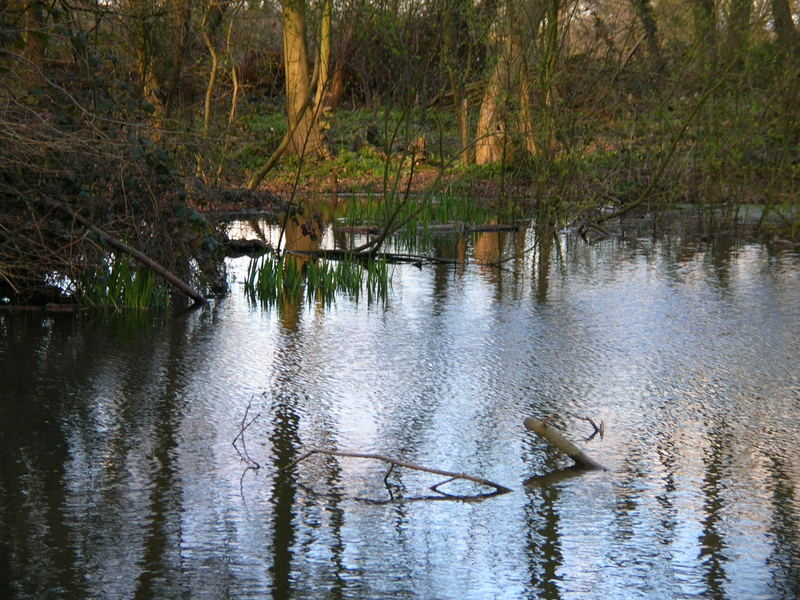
{"points": [[253, 465], [249, 247], [497, 489], [139, 256], [554, 437], [365, 257]]}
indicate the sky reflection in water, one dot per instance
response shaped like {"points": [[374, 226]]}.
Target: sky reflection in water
{"points": [[119, 477]]}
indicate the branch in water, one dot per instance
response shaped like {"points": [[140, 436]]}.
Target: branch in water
{"points": [[451, 476], [554, 437]]}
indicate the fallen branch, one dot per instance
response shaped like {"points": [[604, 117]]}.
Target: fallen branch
{"points": [[451, 476], [601, 429], [554, 437], [139, 256]]}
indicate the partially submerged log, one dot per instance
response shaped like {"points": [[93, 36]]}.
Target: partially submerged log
{"points": [[241, 247], [554, 438]]}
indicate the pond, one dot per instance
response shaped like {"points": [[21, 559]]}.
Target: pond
{"points": [[121, 478]]}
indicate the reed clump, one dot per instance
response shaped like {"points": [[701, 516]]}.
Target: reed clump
{"points": [[117, 284], [287, 278]]}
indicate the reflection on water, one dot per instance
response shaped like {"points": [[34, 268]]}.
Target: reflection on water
{"points": [[119, 478]]}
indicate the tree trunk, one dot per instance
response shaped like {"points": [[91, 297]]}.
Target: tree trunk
{"points": [[490, 136], [554, 437], [456, 79], [323, 77], [147, 62], [34, 29], [738, 28], [183, 14], [705, 28], [644, 10], [345, 53], [784, 28], [305, 136]]}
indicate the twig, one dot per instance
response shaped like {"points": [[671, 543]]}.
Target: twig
{"points": [[497, 488], [601, 429], [243, 453]]}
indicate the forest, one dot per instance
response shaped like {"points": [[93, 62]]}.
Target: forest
{"points": [[129, 124]]}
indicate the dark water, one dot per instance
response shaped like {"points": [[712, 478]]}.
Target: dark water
{"points": [[119, 478]]}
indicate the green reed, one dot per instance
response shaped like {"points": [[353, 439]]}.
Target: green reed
{"points": [[116, 283], [271, 278]]}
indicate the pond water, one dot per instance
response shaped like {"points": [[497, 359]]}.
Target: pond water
{"points": [[120, 478]]}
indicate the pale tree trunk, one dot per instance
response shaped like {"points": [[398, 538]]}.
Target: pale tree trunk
{"points": [[305, 136], [324, 56], [544, 17], [526, 114], [511, 79], [490, 135]]}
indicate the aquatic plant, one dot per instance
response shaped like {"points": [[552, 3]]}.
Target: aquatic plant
{"points": [[271, 278], [117, 283]]}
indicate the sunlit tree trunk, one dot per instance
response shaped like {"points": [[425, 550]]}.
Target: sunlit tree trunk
{"points": [[512, 86], [490, 135], [305, 136]]}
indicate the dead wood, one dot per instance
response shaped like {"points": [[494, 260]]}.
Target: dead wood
{"points": [[139, 256], [245, 247], [557, 440], [497, 489]]}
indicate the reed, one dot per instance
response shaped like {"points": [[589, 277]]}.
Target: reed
{"points": [[117, 284], [271, 278]]}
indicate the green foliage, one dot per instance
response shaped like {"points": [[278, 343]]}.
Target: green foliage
{"points": [[117, 284], [273, 279]]}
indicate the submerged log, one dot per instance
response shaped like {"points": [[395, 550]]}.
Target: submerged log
{"points": [[554, 437]]}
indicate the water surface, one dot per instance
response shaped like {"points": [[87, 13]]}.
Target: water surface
{"points": [[120, 479]]}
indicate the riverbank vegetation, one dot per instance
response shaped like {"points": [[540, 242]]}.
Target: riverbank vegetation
{"points": [[142, 116]]}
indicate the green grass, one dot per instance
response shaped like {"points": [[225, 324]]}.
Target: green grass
{"points": [[117, 284], [273, 279]]}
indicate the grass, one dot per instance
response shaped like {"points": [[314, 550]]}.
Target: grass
{"points": [[738, 146], [117, 284], [272, 279]]}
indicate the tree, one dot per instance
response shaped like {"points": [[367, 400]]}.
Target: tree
{"points": [[304, 135], [501, 132], [785, 29]]}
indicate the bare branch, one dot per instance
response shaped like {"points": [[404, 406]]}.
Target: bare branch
{"points": [[497, 489]]}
